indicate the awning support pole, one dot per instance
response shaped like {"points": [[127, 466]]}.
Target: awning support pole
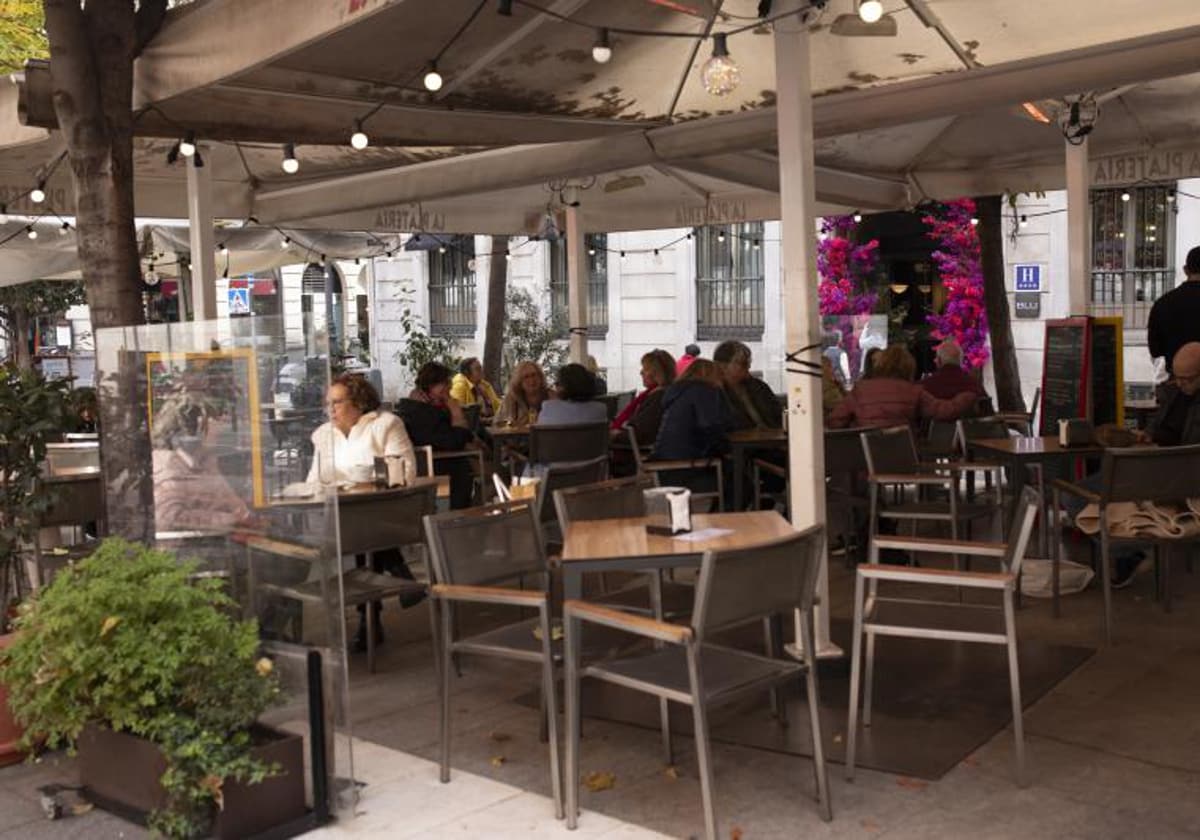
{"points": [[200, 229], [577, 277], [1078, 224]]}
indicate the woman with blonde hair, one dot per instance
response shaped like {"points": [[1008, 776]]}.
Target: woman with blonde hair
{"points": [[524, 397], [890, 397]]}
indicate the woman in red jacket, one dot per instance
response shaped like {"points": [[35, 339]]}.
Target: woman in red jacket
{"points": [[891, 398]]}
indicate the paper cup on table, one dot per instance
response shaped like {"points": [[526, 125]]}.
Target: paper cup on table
{"points": [[524, 488]]}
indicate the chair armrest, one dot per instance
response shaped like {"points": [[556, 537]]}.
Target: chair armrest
{"points": [[940, 577], [637, 624], [270, 545], [681, 464], [941, 546], [911, 478], [1075, 490], [488, 594], [972, 466], [456, 453], [773, 469]]}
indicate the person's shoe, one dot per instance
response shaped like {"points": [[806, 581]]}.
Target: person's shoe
{"points": [[359, 643], [1127, 568]]}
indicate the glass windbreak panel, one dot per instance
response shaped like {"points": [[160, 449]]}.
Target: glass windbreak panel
{"points": [[206, 446]]}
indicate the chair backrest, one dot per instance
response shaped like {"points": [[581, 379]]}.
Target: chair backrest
{"points": [[942, 437], [890, 450], [613, 499], [402, 524], [980, 428], [561, 476], [424, 460], [1033, 406], [575, 442], [1151, 474], [623, 399], [485, 545], [638, 453], [472, 413], [73, 501], [844, 452], [735, 587], [1022, 528]]}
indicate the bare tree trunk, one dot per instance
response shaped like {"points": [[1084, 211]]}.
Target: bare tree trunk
{"points": [[995, 294], [493, 328], [19, 351], [92, 49]]}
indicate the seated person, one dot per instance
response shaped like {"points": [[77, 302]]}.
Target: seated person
{"points": [[434, 418], [470, 388], [524, 397], [576, 403], [644, 412], [594, 369], [1177, 420], [695, 425], [891, 398], [950, 380], [753, 403], [358, 432]]}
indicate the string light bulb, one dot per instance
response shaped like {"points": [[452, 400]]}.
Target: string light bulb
{"points": [[286, 242], [187, 146], [441, 249], [1170, 198], [359, 139], [65, 229], [1024, 221], [30, 232], [3, 214], [591, 252], [870, 11], [857, 216], [38, 194], [224, 251], [974, 221], [602, 49], [720, 236], [622, 256], [1125, 196], [507, 255], [720, 75], [151, 278], [433, 79], [290, 165]]}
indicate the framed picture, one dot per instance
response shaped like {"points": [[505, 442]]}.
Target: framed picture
{"points": [[217, 391]]}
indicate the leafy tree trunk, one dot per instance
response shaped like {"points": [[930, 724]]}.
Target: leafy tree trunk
{"points": [[1004, 355], [493, 328], [92, 49]]}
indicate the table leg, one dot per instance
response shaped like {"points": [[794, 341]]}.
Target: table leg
{"points": [[572, 582], [739, 477]]}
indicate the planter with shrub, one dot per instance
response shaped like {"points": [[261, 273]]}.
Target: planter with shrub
{"points": [[145, 668]]}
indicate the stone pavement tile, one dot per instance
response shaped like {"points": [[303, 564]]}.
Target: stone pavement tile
{"points": [[95, 825], [16, 811], [520, 818]]}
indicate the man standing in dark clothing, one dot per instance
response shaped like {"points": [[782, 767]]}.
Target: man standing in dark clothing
{"points": [[1175, 317]]}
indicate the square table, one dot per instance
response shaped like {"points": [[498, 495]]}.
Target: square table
{"points": [[742, 443], [611, 545]]}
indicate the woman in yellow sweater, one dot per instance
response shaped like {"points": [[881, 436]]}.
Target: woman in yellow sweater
{"points": [[470, 388]]}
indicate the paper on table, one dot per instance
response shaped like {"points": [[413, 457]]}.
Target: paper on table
{"points": [[703, 534]]}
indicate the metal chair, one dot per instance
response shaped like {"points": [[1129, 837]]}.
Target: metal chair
{"points": [[945, 620], [560, 476], [969, 430], [1023, 421], [75, 501], [847, 497], [614, 499], [569, 443], [892, 463], [734, 588], [477, 555], [1143, 474], [690, 467]]}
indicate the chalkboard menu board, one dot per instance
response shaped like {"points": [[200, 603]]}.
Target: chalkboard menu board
{"points": [[1066, 357], [1107, 371]]}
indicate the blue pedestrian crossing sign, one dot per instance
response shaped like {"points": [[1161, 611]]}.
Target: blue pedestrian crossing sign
{"points": [[239, 301], [1027, 278]]}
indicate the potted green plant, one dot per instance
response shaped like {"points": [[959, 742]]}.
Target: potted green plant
{"points": [[31, 412], [141, 666]]}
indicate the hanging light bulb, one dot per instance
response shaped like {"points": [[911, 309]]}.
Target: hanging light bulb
{"points": [[151, 278], [433, 79], [30, 232], [441, 249], [720, 74], [286, 242], [857, 216], [3, 214], [870, 11], [720, 236], [290, 165], [38, 194], [65, 229], [359, 139], [507, 256], [974, 222], [602, 49], [591, 252], [622, 256], [391, 257], [1024, 221], [187, 146], [1170, 198], [1125, 196], [224, 251], [757, 244]]}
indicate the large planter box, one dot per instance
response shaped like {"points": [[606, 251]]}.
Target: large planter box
{"points": [[121, 772], [10, 732]]}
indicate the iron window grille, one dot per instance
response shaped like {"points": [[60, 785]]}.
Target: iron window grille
{"points": [[1133, 251], [729, 282], [452, 309], [597, 283]]}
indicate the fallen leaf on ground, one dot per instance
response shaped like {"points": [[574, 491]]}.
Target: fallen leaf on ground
{"points": [[500, 737], [498, 760], [556, 633], [871, 825], [735, 834], [671, 772], [911, 784], [599, 780], [81, 808]]}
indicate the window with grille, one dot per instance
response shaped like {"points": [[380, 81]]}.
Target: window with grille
{"points": [[729, 282], [1133, 250], [597, 283], [452, 288]]}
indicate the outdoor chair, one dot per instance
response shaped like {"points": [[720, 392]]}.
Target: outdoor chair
{"points": [[74, 501], [846, 496], [360, 586], [619, 498], [892, 464], [560, 476], [1139, 475], [970, 430], [759, 469], [734, 588], [1023, 422], [685, 472], [904, 616], [480, 556]]}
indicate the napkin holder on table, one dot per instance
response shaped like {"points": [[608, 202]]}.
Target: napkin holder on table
{"points": [[669, 509]]}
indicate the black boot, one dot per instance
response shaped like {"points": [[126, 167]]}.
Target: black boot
{"points": [[359, 642], [395, 566]]}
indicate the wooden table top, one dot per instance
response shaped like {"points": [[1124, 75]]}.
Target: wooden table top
{"points": [[600, 539], [758, 436], [365, 491], [1034, 447], [508, 431]]}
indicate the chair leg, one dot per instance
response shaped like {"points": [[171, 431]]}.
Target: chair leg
{"points": [[1014, 679], [1056, 549], [1165, 555], [551, 711], [1105, 580], [571, 686], [773, 630], [855, 669], [814, 717], [372, 623], [703, 754], [868, 679], [664, 708], [444, 653]]}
